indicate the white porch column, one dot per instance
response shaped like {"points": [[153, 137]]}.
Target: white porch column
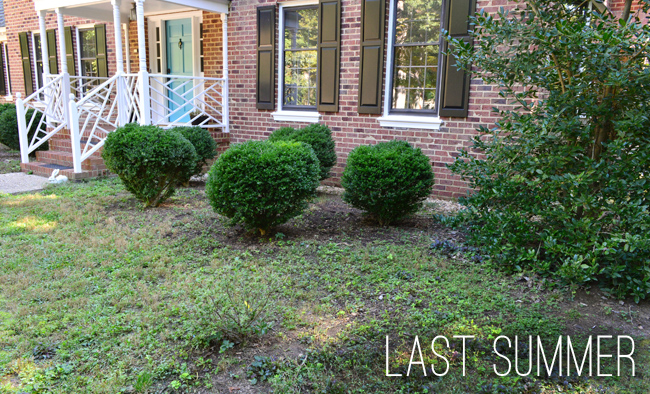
{"points": [[226, 105], [143, 75], [122, 105], [44, 48], [62, 50]]}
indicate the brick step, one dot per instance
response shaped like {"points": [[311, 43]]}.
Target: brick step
{"points": [[45, 169], [66, 146], [64, 158]]}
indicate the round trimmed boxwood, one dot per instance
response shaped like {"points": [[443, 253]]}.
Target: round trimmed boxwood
{"points": [[388, 180], [319, 137], [150, 161], [204, 145], [262, 184], [9, 126]]}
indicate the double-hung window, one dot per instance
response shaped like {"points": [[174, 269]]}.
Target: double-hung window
{"points": [[38, 60], [300, 37], [88, 56], [416, 51]]}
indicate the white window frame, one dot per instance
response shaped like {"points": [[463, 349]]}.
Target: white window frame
{"points": [[9, 96], [34, 60], [77, 49], [424, 121], [288, 115]]}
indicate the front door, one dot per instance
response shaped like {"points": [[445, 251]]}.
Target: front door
{"points": [[179, 62]]}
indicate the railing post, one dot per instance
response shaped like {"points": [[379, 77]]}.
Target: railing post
{"points": [[145, 102], [226, 106], [74, 133], [122, 105], [22, 129], [143, 75], [65, 92]]}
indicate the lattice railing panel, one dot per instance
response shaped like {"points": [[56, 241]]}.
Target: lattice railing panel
{"points": [[45, 112], [186, 101]]}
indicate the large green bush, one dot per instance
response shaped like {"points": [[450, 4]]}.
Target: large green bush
{"points": [[388, 180], [9, 126], [204, 145], [562, 183], [319, 137], [262, 184], [150, 161]]}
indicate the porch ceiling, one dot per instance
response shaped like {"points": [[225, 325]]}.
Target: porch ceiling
{"points": [[103, 10]]}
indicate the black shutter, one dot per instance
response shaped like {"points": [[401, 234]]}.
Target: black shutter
{"points": [[28, 75], [3, 71], [102, 58], [371, 69], [265, 92], [53, 60], [454, 83], [329, 54], [69, 51]]}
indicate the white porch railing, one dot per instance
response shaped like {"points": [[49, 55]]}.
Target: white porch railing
{"points": [[107, 103], [185, 100], [43, 111]]}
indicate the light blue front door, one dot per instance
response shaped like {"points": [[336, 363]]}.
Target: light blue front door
{"points": [[179, 62]]}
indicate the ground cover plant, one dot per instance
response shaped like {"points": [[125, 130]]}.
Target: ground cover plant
{"points": [[262, 184], [9, 160], [562, 179], [319, 137], [150, 161], [98, 295], [389, 180]]}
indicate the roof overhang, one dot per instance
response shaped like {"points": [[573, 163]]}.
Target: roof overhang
{"points": [[103, 10]]}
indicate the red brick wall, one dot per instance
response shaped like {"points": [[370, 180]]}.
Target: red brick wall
{"points": [[20, 16]]}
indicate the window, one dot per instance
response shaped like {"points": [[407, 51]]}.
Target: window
{"points": [[88, 52], [5, 83], [300, 40], [416, 48], [38, 60]]}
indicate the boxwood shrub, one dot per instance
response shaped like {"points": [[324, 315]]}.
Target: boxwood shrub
{"points": [[388, 180], [262, 184], [150, 161], [9, 126], [204, 145], [319, 137]]}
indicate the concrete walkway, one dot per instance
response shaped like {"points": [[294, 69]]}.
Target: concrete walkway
{"points": [[18, 182]]}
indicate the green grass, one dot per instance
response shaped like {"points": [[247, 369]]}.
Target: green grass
{"points": [[98, 295]]}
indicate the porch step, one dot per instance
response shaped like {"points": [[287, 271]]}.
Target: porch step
{"points": [[64, 158], [45, 169]]}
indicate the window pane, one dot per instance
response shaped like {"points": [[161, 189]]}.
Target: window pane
{"points": [[300, 78], [417, 39], [88, 48], [417, 21], [301, 28], [300, 34], [37, 47]]}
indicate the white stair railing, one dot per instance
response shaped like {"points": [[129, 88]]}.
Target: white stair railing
{"points": [[184, 101], [44, 112]]}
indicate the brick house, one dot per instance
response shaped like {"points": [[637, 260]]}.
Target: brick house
{"points": [[371, 70]]}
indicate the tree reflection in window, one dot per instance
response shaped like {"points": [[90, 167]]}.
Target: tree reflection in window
{"points": [[416, 50], [300, 40]]}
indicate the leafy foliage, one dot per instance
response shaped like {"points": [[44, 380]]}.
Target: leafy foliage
{"points": [[562, 183], [262, 184], [204, 145], [150, 161], [388, 180], [9, 126], [319, 137]]}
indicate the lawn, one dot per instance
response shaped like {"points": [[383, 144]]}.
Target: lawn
{"points": [[98, 295], [9, 160]]}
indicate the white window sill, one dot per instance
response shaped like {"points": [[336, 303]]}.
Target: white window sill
{"points": [[296, 116], [411, 122]]}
